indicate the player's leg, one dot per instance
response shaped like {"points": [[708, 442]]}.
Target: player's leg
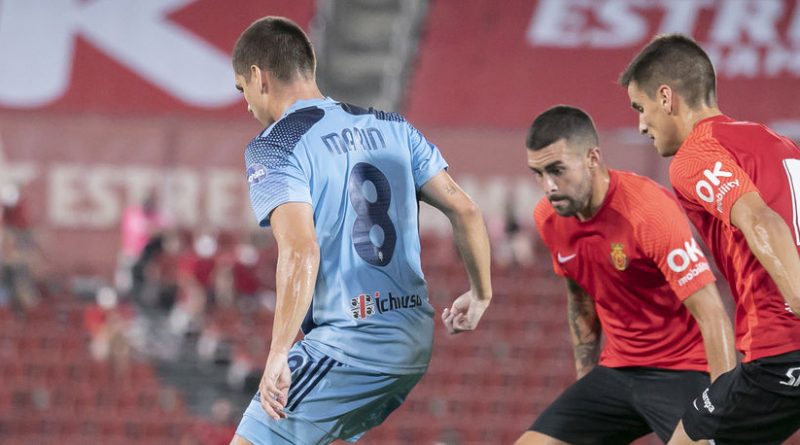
{"points": [[663, 396], [327, 401], [257, 428], [597, 409], [370, 399], [238, 440], [756, 402], [679, 437], [537, 438]]}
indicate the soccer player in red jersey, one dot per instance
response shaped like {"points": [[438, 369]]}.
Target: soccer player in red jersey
{"points": [[740, 185], [635, 275]]}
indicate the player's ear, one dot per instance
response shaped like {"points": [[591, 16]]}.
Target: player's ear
{"points": [[593, 156], [260, 77], [665, 97]]}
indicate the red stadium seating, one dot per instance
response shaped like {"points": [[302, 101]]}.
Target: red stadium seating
{"points": [[484, 387]]}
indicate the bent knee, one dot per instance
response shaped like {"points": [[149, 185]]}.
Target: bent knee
{"points": [[239, 440]]}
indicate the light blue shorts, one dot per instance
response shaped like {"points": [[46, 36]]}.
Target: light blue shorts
{"points": [[327, 401]]}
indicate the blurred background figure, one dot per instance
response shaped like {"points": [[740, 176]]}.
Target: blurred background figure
{"points": [[517, 250], [110, 323], [196, 271], [20, 257], [141, 240], [217, 430]]}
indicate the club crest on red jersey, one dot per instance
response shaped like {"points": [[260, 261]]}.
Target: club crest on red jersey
{"points": [[618, 257]]}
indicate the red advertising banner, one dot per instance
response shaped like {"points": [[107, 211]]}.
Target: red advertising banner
{"points": [[499, 64], [129, 57], [102, 102]]}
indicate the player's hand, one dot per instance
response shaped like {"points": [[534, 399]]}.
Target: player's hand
{"points": [[274, 386], [465, 313]]}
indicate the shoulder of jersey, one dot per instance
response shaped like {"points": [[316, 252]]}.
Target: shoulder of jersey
{"points": [[641, 196], [272, 147], [701, 144], [379, 114], [702, 134], [735, 133], [282, 137]]}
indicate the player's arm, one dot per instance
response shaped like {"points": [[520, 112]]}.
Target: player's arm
{"points": [[472, 241], [771, 242], [707, 309], [584, 328], [298, 261]]}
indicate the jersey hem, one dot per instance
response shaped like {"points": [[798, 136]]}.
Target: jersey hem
{"points": [[339, 356], [678, 367], [755, 354]]}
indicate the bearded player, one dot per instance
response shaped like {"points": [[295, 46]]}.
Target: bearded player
{"points": [[634, 274]]}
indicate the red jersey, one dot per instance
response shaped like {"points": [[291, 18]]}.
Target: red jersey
{"points": [[720, 161], [637, 259]]}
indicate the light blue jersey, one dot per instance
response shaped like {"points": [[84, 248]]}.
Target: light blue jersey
{"points": [[361, 171]]}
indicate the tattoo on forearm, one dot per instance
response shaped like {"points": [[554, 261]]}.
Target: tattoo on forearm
{"points": [[585, 329]]}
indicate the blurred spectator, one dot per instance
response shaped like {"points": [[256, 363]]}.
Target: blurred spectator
{"points": [[109, 323], [141, 227], [157, 277], [195, 275], [216, 431], [14, 208], [243, 373], [515, 249], [239, 278], [213, 346], [19, 254]]}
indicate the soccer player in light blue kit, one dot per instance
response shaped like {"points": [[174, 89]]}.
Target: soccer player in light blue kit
{"points": [[339, 185]]}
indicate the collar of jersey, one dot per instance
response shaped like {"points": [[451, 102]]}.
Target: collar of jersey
{"points": [[300, 104]]}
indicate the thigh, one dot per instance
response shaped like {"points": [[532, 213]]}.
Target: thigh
{"points": [[661, 396], [597, 409], [753, 403], [327, 400]]}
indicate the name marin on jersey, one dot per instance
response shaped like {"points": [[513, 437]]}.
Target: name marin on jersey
{"points": [[365, 305], [354, 139]]}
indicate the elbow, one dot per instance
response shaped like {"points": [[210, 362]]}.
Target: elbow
{"points": [[468, 211], [306, 253]]}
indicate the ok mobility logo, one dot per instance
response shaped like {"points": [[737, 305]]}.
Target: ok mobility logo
{"points": [[713, 188], [366, 305], [681, 259]]}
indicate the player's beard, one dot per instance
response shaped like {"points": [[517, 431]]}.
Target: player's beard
{"points": [[571, 205]]}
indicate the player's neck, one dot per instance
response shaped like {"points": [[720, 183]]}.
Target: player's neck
{"points": [[600, 185], [291, 93], [694, 116]]}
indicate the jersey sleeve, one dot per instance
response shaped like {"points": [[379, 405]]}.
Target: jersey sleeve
{"points": [[426, 160], [275, 176], [666, 238], [540, 216], [707, 175]]}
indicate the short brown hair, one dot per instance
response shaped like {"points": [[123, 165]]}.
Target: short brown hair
{"points": [[677, 61], [276, 44], [562, 122]]}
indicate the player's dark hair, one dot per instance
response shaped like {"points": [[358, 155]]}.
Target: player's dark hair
{"points": [[562, 122], [276, 44], [677, 61]]}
